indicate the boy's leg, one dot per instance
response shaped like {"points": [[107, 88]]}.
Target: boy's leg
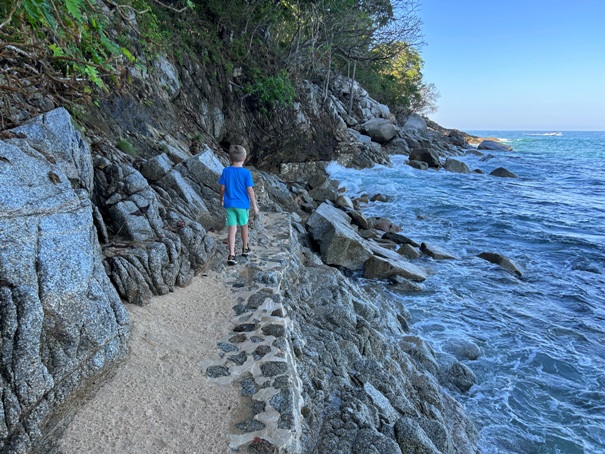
{"points": [[231, 239], [245, 236]]}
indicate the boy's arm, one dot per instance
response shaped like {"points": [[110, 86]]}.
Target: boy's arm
{"points": [[222, 195], [253, 200]]}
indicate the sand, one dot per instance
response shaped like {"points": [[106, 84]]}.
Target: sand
{"points": [[159, 401]]}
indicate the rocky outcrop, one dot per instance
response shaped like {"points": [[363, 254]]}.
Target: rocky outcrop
{"points": [[63, 324], [340, 245], [492, 145]]}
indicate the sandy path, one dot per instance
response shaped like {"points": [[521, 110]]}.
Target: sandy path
{"points": [[159, 401]]}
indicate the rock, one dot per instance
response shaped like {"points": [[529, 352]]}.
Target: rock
{"points": [[380, 130], [323, 194], [54, 133], [453, 372], [462, 349], [383, 268], [359, 219], [168, 77], [425, 155], [397, 146], [155, 168], [400, 239], [373, 442], [405, 285], [411, 437], [453, 165], [415, 123], [358, 136], [494, 146], [344, 201], [473, 152], [458, 138], [436, 252], [339, 244], [503, 261], [319, 180], [379, 198], [420, 165], [503, 173], [409, 251], [384, 224], [62, 323], [385, 263]]}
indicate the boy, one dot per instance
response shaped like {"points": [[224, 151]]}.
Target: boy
{"points": [[236, 194]]}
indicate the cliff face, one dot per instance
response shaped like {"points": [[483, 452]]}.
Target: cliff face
{"points": [[121, 212]]}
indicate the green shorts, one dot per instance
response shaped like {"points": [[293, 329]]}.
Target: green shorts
{"points": [[237, 216]]}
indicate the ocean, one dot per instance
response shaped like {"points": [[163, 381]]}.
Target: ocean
{"points": [[541, 376]]}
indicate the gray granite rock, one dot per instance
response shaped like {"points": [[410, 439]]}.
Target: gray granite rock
{"points": [[379, 129], [62, 323], [339, 244]]}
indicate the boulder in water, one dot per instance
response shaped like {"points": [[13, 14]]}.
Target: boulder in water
{"points": [[453, 165], [426, 155], [503, 173], [502, 261], [436, 252], [493, 145]]}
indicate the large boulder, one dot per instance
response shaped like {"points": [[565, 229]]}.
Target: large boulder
{"points": [[425, 155], [494, 146], [379, 129], [453, 165], [415, 123], [62, 322], [339, 244], [386, 263]]}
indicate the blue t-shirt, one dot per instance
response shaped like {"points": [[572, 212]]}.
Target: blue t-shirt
{"points": [[236, 180]]}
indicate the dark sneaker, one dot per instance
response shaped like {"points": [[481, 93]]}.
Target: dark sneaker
{"points": [[231, 260], [246, 252]]}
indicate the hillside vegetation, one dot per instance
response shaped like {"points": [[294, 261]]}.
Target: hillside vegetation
{"points": [[77, 51]]}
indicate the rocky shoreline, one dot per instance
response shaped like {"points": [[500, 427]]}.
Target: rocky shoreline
{"points": [[85, 227]]}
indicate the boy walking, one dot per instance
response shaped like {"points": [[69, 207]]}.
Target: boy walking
{"points": [[236, 195]]}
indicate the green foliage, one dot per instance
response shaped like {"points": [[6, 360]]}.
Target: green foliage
{"points": [[74, 31], [271, 91], [126, 147]]}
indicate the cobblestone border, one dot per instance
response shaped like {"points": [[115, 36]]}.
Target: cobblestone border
{"points": [[257, 353]]}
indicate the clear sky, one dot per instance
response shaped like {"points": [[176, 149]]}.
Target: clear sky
{"points": [[516, 64]]}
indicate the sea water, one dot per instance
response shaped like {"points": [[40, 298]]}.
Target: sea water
{"points": [[541, 376]]}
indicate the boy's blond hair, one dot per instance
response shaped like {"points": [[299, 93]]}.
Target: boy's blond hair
{"points": [[237, 153]]}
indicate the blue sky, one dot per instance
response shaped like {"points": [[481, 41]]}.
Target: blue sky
{"points": [[531, 65]]}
